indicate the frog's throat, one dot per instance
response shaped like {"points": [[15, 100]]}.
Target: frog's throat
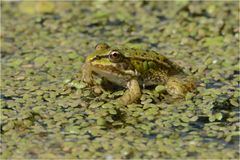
{"points": [[113, 70]]}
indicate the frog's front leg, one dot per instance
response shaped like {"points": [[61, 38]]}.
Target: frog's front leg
{"points": [[178, 86], [132, 94], [87, 73], [88, 78]]}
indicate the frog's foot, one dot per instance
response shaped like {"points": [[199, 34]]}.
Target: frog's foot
{"points": [[98, 89], [132, 94], [178, 88]]}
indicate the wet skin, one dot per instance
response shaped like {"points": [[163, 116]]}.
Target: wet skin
{"points": [[133, 68]]}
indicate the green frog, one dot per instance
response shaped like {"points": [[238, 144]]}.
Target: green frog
{"points": [[136, 68]]}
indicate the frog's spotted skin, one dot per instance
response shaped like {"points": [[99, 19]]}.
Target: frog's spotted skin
{"points": [[133, 67]]}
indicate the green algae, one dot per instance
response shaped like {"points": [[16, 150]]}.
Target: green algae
{"points": [[47, 112]]}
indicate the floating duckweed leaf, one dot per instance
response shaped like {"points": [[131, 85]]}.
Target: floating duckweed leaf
{"points": [[16, 63], [39, 61], [103, 112], [117, 123], [160, 88], [72, 129], [214, 41], [9, 93], [189, 96], [101, 14], [37, 109], [212, 118], [44, 7], [36, 7], [8, 126], [194, 118], [151, 111], [112, 111], [95, 104], [228, 138], [39, 92], [219, 116], [73, 55], [109, 119], [234, 102], [101, 121], [67, 81], [27, 7], [145, 127], [107, 105], [185, 119], [150, 105], [135, 45], [146, 101], [27, 123], [118, 93], [80, 59]]}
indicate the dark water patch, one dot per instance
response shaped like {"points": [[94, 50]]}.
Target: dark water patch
{"points": [[150, 136], [6, 98], [214, 85], [199, 124]]}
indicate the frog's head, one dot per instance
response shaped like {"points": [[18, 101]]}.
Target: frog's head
{"points": [[110, 63], [106, 55]]}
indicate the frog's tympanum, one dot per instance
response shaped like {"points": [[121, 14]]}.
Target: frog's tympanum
{"points": [[133, 68]]}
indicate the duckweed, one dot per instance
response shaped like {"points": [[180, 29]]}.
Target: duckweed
{"points": [[48, 113]]}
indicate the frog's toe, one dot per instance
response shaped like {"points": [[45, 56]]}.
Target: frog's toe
{"points": [[175, 91], [98, 89], [89, 82]]}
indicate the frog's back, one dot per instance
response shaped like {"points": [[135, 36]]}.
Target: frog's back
{"points": [[149, 55], [134, 53]]}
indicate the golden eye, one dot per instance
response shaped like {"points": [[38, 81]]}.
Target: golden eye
{"points": [[101, 46], [115, 56]]}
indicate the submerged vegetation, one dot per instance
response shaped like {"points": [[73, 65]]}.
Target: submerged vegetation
{"points": [[47, 112]]}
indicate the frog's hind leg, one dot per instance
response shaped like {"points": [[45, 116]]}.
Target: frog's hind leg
{"points": [[178, 87], [132, 94], [151, 77]]}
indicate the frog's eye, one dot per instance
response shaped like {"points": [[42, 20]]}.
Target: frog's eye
{"points": [[115, 56], [101, 46]]}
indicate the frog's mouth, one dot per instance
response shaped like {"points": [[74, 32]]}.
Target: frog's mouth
{"points": [[113, 74]]}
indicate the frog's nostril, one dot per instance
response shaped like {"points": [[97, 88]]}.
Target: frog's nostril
{"points": [[97, 57]]}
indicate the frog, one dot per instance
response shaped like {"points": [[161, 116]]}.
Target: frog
{"points": [[135, 69]]}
